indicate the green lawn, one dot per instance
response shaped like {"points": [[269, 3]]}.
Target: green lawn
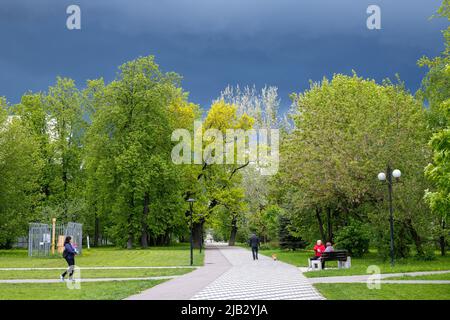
{"points": [[115, 290], [359, 265], [359, 291], [100, 257], [128, 273], [298, 258], [96, 257], [442, 276]]}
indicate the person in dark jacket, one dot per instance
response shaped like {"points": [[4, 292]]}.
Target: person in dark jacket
{"points": [[69, 254], [254, 244]]}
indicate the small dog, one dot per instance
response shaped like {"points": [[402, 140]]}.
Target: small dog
{"points": [[274, 257]]}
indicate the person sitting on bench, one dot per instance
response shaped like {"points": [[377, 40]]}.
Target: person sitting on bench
{"points": [[319, 248], [329, 248]]}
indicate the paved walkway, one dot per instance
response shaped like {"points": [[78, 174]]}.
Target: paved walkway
{"points": [[263, 279], [184, 287], [230, 273]]}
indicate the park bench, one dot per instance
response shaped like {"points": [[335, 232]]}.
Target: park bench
{"points": [[341, 256]]}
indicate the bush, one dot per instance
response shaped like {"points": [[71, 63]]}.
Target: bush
{"points": [[427, 254], [269, 246], [285, 237], [402, 242], [354, 238]]}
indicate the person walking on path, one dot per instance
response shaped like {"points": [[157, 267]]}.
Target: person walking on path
{"points": [[69, 254], [254, 244]]}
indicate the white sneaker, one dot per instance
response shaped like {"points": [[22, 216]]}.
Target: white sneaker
{"points": [[61, 278]]}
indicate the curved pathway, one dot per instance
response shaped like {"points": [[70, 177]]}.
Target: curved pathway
{"points": [[185, 286], [231, 273]]}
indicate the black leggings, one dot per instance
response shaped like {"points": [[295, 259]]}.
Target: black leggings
{"points": [[70, 269], [255, 253]]}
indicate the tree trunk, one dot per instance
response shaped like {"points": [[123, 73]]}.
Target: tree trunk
{"points": [[442, 239], [234, 229], [130, 228], [64, 179], [144, 230], [319, 221], [96, 230], [130, 241], [197, 234], [442, 245], [416, 237], [329, 226], [167, 237]]}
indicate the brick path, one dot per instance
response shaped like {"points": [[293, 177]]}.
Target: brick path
{"points": [[231, 273], [263, 279]]}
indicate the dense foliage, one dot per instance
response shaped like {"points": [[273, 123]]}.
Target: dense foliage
{"points": [[101, 155]]}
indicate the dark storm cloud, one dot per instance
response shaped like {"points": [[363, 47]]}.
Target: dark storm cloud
{"points": [[213, 43]]}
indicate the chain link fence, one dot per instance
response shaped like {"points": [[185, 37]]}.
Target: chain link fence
{"points": [[40, 238]]}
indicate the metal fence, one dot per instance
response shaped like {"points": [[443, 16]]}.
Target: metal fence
{"points": [[40, 238], [75, 230]]}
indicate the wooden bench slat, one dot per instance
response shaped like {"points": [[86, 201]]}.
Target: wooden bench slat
{"points": [[340, 255]]}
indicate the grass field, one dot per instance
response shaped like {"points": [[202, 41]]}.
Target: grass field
{"points": [[442, 276], [359, 265], [359, 291], [96, 257], [129, 273], [100, 257], [115, 290]]}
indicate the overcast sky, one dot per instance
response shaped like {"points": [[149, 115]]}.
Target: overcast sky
{"points": [[213, 43]]}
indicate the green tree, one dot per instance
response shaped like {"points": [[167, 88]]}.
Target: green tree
{"points": [[263, 108], [65, 128], [346, 131], [131, 176], [436, 92], [33, 116], [217, 185], [20, 167]]}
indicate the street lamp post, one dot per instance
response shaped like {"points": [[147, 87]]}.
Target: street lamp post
{"points": [[191, 204], [388, 178]]}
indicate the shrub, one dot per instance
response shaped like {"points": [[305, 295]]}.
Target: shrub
{"points": [[269, 246], [354, 238], [402, 242], [427, 254], [286, 239]]}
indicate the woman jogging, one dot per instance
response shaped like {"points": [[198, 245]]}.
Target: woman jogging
{"points": [[69, 254]]}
